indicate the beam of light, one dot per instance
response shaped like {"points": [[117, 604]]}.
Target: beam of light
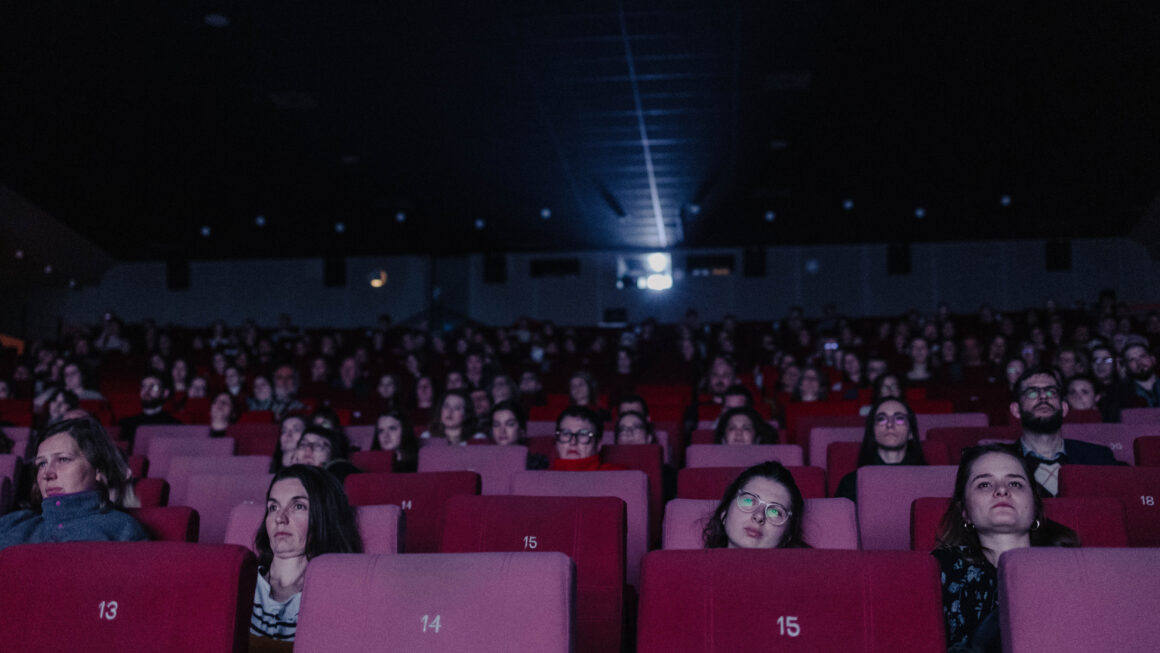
{"points": [[648, 162]]}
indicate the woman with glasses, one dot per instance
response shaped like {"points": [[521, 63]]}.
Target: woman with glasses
{"points": [[578, 433], [994, 509], [890, 438], [322, 447], [761, 509]]}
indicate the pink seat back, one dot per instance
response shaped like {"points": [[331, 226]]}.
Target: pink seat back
{"points": [[1099, 521], [928, 421], [827, 523], [824, 601], [1117, 437], [126, 596], [421, 496], [822, 437], [630, 486], [646, 458], [181, 468], [1140, 416], [885, 493], [145, 433], [151, 492], [1137, 487], [439, 602], [1147, 449], [162, 449], [957, 438], [9, 468], [733, 455], [169, 524], [711, 482], [360, 436], [590, 530], [842, 458], [214, 495], [494, 464], [1079, 600], [379, 526], [537, 428], [379, 462]]}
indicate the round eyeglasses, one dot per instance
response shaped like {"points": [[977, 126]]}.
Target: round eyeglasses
{"points": [[775, 513]]}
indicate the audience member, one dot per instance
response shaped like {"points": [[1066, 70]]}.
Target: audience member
{"points": [[394, 432], [578, 433], [323, 447], [509, 426], [290, 432], [455, 420], [1139, 387], [154, 392], [744, 426], [762, 509], [222, 413], [890, 438]]}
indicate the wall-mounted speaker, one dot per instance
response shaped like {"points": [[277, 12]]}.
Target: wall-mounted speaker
{"points": [[753, 261], [1057, 255], [177, 274], [898, 259], [494, 268], [334, 271]]}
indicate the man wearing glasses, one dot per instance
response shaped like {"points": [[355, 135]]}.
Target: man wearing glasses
{"points": [[578, 434], [1039, 406]]}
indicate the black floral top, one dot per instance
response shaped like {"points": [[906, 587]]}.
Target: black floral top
{"points": [[969, 591]]}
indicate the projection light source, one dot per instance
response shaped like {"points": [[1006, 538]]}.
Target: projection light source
{"points": [[660, 281], [377, 278], [658, 262], [653, 271]]}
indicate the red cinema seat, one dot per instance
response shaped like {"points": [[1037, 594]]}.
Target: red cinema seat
{"points": [[645, 458], [711, 482], [494, 464], [214, 495], [820, 439], [1099, 521], [360, 436], [162, 449], [827, 523], [541, 427], [16, 411], [702, 436], [740, 455], [481, 602], [21, 437], [421, 496], [139, 465], [254, 439], [1079, 600], [631, 486], [375, 462], [255, 417], [195, 411], [146, 432], [181, 468], [1140, 416], [113, 597], [1147, 450], [929, 420], [590, 530], [1137, 487], [151, 492], [381, 527], [9, 480], [798, 423], [543, 445], [842, 458], [792, 600], [1090, 416], [1117, 437], [885, 493], [962, 437], [168, 524]]}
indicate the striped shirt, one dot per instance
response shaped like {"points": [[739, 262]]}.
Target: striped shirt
{"points": [[273, 619]]}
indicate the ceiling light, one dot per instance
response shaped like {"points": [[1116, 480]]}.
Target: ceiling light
{"points": [[400, 216], [545, 213], [812, 266], [205, 231], [1005, 200], [378, 278], [658, 261], [770, 216], [217, 20], [260, 221], [48, 269], [72, 283], [694, 209], [479, 223], [339, 227], [920, 213], [848, 205], [660, 281], [19, 255]]}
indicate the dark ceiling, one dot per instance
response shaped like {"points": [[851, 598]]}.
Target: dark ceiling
{"points": [[140, 123]]}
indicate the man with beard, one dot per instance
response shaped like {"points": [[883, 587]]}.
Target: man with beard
{"points": [[1038, 404], [154, 393], [285, 392], [1139, 388]]}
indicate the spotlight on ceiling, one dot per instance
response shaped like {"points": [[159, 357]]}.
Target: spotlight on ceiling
{"points": [[770, 216], [920, 213], [205, 231], [72, 283], [48, 269], [217, 20], [848, 205], [260, 221], [19, 255], [658, 261], [480, 224], [339, 227], [377, 278], [1004, 200], [400, 217], [545, 213], [694, 209]]}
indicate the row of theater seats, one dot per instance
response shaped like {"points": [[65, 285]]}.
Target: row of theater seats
{"points": [[185, 597]]}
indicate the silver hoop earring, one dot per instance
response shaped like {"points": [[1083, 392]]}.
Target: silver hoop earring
{"points": [[968, 525], [1035, 526]]}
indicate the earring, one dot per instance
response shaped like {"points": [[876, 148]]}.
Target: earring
{"points": [[1035, 526], [968, 525]]}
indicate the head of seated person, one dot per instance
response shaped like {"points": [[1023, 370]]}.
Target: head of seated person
{"points": [[995, 507], [320, 446], [891, 436], [744, 426], [454, 417], [578, 433], [582, 389], [394, 432], [889, 384], [290, 432], [736, 396], [761, 509], [509, 425], [632, 402], [633, 427], [75, 456], [60, 402]]}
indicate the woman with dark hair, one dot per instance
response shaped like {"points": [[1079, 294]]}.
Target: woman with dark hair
{"points": [[744, 425], [393, 432], [223, 411], [80, 487], [454, 419], [888, 384], [762, 509], [810, 386], [509, 426], [890, 438], [291, 429], [994, 509], [633, 427], [307, 515], [387, 391], [322, 447]]}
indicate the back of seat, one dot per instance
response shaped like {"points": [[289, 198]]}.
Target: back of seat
{"points": [[421, 496]]}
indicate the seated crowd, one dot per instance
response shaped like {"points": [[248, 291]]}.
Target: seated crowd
{"points": [[420, 387]]}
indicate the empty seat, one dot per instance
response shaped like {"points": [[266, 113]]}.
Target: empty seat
{"points": [[379, 462], [1117, 437], [1079, 600], [790, 599], [1147, 450], [117, 596], [821, 438], [842, 458], [16, 411], [885, 493], [494, 464], [630, 485], [1099, 521], [151, 492], [421, 496], [732, 455], [827, 524], [645, 458], [145, 433], [162, 449], [1137, 487], [214, 495], [711, 482], [181, 468], [168, 524], [380, 527], [590, 530], [441, 602]]}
